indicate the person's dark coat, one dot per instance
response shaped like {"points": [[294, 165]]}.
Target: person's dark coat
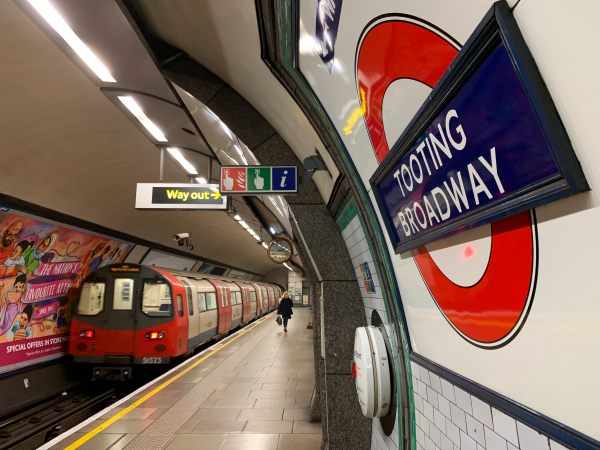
{"points": [[285, 308]]}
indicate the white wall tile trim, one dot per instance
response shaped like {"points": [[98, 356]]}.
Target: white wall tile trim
{"points": [[448, 417]]}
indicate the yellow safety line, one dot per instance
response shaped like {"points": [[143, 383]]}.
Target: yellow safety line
{"points": [[82, 440]]}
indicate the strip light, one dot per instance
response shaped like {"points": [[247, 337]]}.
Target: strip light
{"points": [[188, 166], [55, 20], [135, 109], [289, 268], [201, 180], [264, 244], [244, 224], [237, 217]]}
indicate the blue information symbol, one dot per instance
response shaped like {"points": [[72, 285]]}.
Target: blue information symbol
{"points": [[284, 179]]}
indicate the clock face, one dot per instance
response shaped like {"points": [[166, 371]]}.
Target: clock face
{"points": [[280, 250]]}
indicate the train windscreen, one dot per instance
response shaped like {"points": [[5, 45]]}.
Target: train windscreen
{"points": [[91, 299], [157, 300]]}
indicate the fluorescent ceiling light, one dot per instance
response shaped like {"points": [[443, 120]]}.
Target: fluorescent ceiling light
{"points": [[272, 230], [244, 224], [55, 20], [256, 236], [264, 244], [188, 167], [251, 231], [237, 217], [201, 180], [135, 109], [289, 268]]}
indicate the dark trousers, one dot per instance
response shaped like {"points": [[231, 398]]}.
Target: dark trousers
{"points": [[285, 319]]}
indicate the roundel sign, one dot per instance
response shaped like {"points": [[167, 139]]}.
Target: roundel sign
{"points": [[484, 289]]}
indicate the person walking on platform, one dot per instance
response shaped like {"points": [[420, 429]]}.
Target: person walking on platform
{"points": [[285, 309]]}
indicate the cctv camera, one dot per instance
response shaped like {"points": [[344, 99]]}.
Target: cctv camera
{"points": [[181, 236]]}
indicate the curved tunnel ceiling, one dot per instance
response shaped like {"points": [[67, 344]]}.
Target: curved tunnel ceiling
{"points": [[70, 150]]}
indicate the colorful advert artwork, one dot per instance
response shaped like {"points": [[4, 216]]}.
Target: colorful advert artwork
{"points": [[41, 264]]}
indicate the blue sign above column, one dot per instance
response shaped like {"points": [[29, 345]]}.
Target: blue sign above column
{"points": [[488, 143]]}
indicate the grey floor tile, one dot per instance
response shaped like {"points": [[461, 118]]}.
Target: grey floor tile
{"points": [[197, 442], [247, 441], [219, 426], [274, 403], [299, 442], [231, 393], [234, 403], [268, 426], [261, 414], [267, 394]]}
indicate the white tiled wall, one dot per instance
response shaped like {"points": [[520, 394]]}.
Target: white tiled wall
{"points": [[358, 248], [449, 418]]}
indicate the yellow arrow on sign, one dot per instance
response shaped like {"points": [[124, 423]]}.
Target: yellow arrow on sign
{"points": [[216, 195]]}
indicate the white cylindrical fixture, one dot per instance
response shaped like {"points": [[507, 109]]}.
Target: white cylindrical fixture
{"points": [[371, 371]]}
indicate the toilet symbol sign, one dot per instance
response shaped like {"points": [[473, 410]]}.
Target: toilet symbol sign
{"points": [[252, 180]]}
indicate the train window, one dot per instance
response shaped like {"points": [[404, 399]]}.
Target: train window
{"points": [[253, 296], [156, 299], [123, 295], [180, 304], [211, 300], [188, 292], [237, 298], [201, 301], [91, 300]]}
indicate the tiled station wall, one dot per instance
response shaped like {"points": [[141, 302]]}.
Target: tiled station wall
{"points": [[368, 280], [449, 418]]}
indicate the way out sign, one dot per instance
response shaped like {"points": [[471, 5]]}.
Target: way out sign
{"points": [[179, 196], [254, 180]]}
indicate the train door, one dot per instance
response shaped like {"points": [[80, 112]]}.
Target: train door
{"points": [[271, 294], [193, 320], [246, 317], [258, 294], [253, 302], [265, 299], [121, 314], [223, 306], [235, 296]]}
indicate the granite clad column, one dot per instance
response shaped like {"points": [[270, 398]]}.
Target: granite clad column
{"points": [[322, 251]]}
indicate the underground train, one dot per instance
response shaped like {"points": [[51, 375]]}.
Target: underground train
{"points": [[130, 316]]}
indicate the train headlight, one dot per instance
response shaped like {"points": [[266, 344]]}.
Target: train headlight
{"points": [[87, 334], [153, 335]]}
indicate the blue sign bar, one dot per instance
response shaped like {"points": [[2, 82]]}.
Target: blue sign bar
{"points": [[493, 147]]}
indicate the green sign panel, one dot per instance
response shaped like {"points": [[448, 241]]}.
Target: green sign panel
{"points": [[259, 179]]}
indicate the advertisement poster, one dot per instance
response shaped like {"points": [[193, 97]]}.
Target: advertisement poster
{"points": [[41, 265]]}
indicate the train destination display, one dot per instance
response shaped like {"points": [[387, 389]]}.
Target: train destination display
{"points": [[489, 150], [179, 196]]}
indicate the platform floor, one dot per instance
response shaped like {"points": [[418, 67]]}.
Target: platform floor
{"points": [[253, 393]]}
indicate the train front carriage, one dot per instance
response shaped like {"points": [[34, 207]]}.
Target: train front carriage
{"points": [[126, 315]]}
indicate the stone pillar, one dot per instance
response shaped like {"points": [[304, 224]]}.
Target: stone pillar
{"points": [[338, 306]]}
